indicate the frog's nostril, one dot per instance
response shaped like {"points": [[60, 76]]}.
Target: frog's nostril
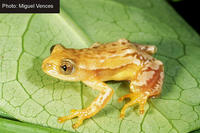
{"points": [[46, 66]]}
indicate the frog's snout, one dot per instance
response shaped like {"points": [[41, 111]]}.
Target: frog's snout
{"points": [[46, 66]]}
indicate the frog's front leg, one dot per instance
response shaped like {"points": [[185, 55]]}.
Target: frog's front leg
{"points": [[104, 96], [148, 83]]}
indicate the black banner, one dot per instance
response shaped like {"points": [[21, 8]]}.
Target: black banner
{"points": [[29, 6]]}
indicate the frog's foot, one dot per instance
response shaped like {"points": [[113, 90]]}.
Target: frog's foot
{"points": [[135, 97], [81, 114]]}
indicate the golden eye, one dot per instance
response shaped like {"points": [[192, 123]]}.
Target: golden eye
{"points": [[67, 67]]}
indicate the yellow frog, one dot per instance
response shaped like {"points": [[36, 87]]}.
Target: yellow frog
{"points": [[121, 60]]}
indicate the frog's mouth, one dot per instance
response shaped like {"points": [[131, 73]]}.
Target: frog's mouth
{"points": [[49, 69]]}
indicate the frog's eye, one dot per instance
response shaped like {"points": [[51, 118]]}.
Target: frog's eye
{"points": [[67, 67], [56, 48], [51, 49]]}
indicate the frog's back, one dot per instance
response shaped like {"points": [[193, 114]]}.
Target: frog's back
{"points": [[106, 56]]}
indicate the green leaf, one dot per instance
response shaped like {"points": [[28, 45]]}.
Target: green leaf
{"points": [[5, 115], [197, 131], [8, 126], [30, 95]]}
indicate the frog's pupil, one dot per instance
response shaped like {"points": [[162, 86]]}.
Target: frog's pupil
{"points": [[64, 67]]}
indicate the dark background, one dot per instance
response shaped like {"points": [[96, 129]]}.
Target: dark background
{"points": [[190, 11]]}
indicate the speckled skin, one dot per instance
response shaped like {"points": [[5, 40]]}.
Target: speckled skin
{"points": [[119, 60]]}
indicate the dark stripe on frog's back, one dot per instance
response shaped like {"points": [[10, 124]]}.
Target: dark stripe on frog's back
{"points": [[101, 53], [106, 56], [106, 51]]}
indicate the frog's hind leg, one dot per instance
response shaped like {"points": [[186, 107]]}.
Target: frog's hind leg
{"points": [[135, 98], [148, 83], [150, 49]]}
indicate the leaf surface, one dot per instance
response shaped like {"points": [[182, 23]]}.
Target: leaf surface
{"points": [[29, 95]]}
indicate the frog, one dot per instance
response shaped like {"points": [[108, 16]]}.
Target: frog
{"points": [[116, 61]]}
